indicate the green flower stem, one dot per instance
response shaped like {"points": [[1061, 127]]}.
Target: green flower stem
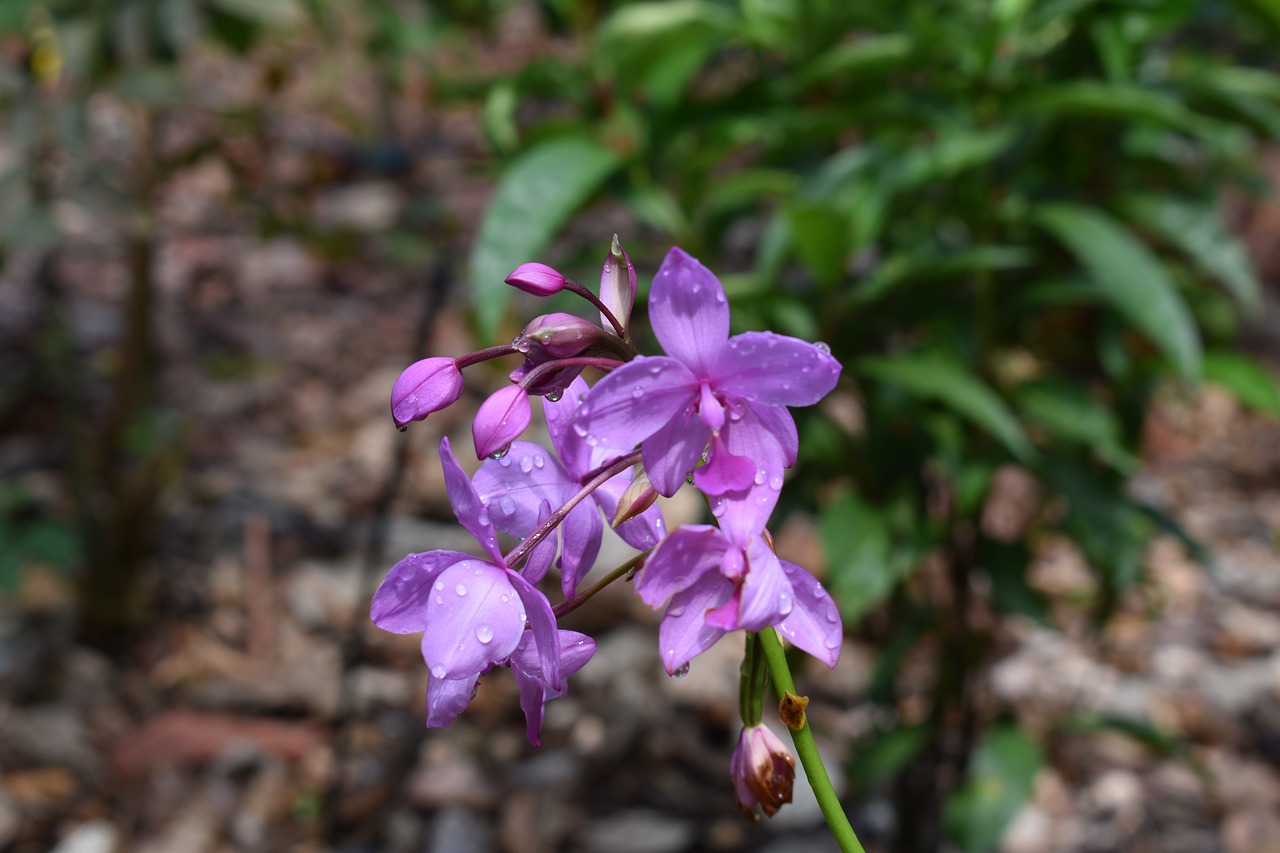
{"points": [[810, 760]]}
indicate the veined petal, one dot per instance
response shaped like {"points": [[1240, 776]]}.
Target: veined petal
{"points": [[515, 487], [467, 506], [683, 557], [543, 623], [774, 370], [580, 535], [776, 421], [575, 650], [537, 564], [814, 621], [671, 452], [573, 451], [473, 620], [500, 420], [424, 387], [767, 596], [400, 604], [684, 632], [688, 311], [633, 402], [447, 698]]}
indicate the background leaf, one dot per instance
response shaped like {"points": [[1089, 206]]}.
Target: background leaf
{"points": [[1249, 381], [1000, 781]]}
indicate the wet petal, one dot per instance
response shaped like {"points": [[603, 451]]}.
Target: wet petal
{"points": [[538, 563], [543, 622], [684, 632], [672, 452], [580, 535], [814, 622], [767, 596], [575, 650], [473, 620], [500, 420], [425, 386], [447, 698], [688, 311], [680, 561], [515, 487], [724, 471], [774, 370], [467, 506], [400, 604], [633, 402], [573, 451]]}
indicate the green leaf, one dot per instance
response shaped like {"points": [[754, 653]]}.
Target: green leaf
{"points": [[1130, 277], [887, 755], [658, 47], [934, 375], [868, 54], [820, 235], [1000, 781], [1250, 382], [1197, 230], [864, 560], [1069, 412], [536, 195], [1121, 102], [919, 265], [955, 151]]}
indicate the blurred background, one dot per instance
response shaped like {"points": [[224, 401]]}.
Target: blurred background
{"points": [[1040, 235]]}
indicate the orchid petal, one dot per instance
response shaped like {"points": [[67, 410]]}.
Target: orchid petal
{"points": [[775, 421], [680, 561], [688, 311], [581, 533], [684, 632], [543, 623], [774, 370], [572, 450], [575, 650], [617, 285], [672, 452], [814, 621], [467, 506], [474, 620], [514, 487], [400, 604], [538, 563], [633, 402], [767, 596], [447, 698], [744, 513], [500, 420], [724, 471]]}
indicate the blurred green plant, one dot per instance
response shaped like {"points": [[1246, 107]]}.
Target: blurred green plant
{"points": [[1006, 219]]}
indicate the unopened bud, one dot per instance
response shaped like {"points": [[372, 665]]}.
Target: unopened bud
{"points": [[559, 335], [618, 284], [763, 771], [424, 387], [638, 497], [538, 279], [500, 420]]}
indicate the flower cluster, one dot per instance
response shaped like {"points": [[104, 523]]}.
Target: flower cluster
{"points": [[711, 411]]}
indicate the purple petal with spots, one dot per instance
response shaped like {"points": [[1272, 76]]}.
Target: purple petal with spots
{"points": [[688, 311], [400, 604], [500, 420], [467, 506], [515, 487], [447, 698], [767, 369], [575, 650], [471, 627], [633, 402], [814, 621], [766, 593], [543, 623], [671, 453], [680, 561], [572, 450], [685, 632]]}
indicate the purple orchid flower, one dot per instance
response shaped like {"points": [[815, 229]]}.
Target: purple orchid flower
{"points": [[672, 405], [514, 487], [715, 580], [474, 610]]}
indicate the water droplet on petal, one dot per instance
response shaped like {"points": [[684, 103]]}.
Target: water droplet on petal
{"points": [[507, 505], [538, 461], [637, 392], [439, 599], [775, 482], [832, 642], [526, 464], [784, 603], [523, 617], [484, 634], [554, 396], [681, 672], [439, 584], [822, 346], [761, 476], [675, 610], [460, 590], [655, 369], [439, 671], [500, 452], [404, 428], [580, 430]]}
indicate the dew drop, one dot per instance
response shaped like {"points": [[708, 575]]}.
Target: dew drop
{"points": [[507, 505], [822, 346], [688, 478], [523, 616], [761, 476], [538, 461], [784, 603], [591, 440], [675, 610], [404, 428], [720, 296], [505, 462], [554, 396], [505, 598], [484, 634], [439, 599], [439, 585], [681, 672], [580, 430], [460, 590], [439, 671], [500, 452], [655, 369], [775, 482], [526, 464], [831, 642]]}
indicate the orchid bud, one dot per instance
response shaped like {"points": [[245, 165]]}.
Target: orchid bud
{"points": [[763, 771], [538, 279], [638, 497], [425, 386], [559, 335], [500, 420], [618, 284]]}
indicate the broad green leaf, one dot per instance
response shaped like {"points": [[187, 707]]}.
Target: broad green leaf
{"points": [[864, 559], [1250, 382], [918, 265], [1000, 780], [1130, 277], [954, 151], [864, 55], [1122, 102], [936, 376], [1069, 412], [887, 755], [535, 197], [1006, 565], [1198, 230], [821, 238], [657, 47]]}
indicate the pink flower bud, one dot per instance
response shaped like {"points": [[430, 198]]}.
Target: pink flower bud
{"points": [[558, 335], [500, 420], [618, 284], [538, 279], [763, 771], [638, 497], [425, 386]]}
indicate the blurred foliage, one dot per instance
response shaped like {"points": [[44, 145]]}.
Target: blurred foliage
{"points": [[1005, 218]]}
